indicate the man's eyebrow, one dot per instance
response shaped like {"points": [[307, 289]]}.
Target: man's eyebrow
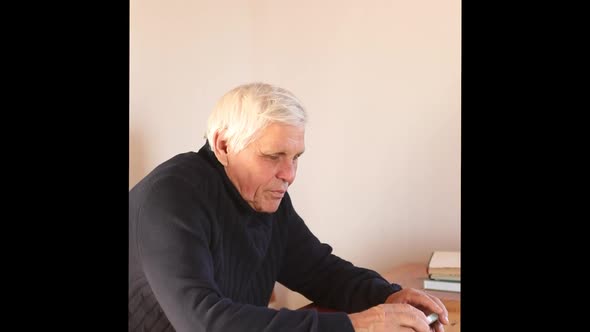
{"points": [[272, 153], [279, 153]]}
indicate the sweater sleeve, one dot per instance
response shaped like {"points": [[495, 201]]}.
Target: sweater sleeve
{"points": [[311, 269], [174, 235]]}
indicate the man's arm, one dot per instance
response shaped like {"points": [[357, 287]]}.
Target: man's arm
{"points": [[311, 269]]}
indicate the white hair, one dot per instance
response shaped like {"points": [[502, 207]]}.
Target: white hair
{"points": [[241, 114]]}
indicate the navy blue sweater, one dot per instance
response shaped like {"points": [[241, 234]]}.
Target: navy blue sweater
{"points": [[201, 259]]}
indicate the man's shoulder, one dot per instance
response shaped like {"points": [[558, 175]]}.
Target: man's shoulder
{"points": [[188, 169], [188, 163]]}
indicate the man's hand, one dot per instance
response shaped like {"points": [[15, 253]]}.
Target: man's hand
{"points": [[397, 317], [425, 302]]}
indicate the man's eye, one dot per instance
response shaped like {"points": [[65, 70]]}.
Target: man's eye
{"points": [[273, 157]]}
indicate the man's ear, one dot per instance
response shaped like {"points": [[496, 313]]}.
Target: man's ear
{"points": [[220, 147]]}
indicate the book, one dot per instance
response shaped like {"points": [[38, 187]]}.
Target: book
{"points": [[442, 285], [445, 263], [447, 277]]}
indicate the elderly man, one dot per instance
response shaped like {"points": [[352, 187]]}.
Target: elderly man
{"points": [[210, 233]]}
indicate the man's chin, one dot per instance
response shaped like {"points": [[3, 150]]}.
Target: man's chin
{"points": [[269, 207]]}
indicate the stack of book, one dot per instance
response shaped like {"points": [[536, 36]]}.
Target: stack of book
{"points": [[444, 271]]}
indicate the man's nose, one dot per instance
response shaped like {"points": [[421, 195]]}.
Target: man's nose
{"points": [[287, 171]]}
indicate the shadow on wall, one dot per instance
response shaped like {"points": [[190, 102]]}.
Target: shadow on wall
{"points": [[136, 158]]}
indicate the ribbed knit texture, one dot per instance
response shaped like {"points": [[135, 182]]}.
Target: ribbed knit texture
{"points": [[201, 259]]}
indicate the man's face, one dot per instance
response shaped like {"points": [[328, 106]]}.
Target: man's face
{"points": [[263, 171]]}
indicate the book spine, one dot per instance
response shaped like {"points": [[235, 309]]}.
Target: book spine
{"points": [[448, 286]]}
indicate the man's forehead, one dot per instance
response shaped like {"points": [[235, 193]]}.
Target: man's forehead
{"points": [[278, 137], [281, 143], [284, 145]]}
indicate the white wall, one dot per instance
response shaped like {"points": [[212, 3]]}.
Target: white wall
{"points": [[380, 178]]}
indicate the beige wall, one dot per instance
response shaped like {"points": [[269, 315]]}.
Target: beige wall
{"points": [[380, 179]]}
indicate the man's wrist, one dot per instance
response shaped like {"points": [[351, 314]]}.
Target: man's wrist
{"points": [[396, 288]]}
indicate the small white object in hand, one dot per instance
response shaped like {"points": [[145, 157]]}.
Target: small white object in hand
{"points": [[433, 317]]}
